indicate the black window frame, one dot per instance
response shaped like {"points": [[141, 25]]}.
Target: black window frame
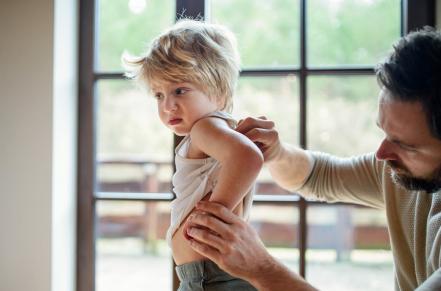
{"points": [[414, 14]]}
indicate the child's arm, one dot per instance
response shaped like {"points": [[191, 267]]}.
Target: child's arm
{"points": [[240, 158]]}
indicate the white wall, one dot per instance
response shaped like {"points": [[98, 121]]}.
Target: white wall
{"points": [[37, 145]]}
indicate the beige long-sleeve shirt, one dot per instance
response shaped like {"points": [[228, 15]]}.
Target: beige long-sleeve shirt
{"points": [[413, 217]]}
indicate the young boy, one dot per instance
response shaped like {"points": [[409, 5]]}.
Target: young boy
{"points": [[192, 70]]}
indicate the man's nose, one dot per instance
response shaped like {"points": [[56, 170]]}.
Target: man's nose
{"points": [[386, 151]]}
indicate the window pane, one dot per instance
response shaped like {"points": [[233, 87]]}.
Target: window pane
{"points": [[348, 32], [134, 149], [129, 25], [277, 226], [267, 31], [131, 253], [341, 115], [277, 99], [348, 240]]}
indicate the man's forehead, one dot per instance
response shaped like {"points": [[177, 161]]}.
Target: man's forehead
{"points": [[385, 96]]}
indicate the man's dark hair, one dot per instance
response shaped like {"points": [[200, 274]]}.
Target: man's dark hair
{"points": [[413, 73]]}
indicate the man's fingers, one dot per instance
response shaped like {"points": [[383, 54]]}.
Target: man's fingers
{"points": [[250, 122], [205, 250], [218, 210], [207, 237], [263, 136], [209, 222]]}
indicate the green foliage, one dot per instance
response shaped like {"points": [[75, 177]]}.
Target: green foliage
{"points": [[273, 97], [351, 32], [121, 30], [128, 123], [341, 115], [268, 35], [339, 32]]}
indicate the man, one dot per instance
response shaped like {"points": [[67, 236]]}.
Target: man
{"points": [[403, 178]]}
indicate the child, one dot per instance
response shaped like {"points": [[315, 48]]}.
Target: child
{"points": [[192, 70]]}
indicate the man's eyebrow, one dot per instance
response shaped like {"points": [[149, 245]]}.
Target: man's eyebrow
{"points": [[395, 140]]}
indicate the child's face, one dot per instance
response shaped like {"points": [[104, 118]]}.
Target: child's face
{"points": [[180, 105]]}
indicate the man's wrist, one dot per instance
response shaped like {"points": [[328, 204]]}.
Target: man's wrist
{"points": [[263, 274], [274, 275]]}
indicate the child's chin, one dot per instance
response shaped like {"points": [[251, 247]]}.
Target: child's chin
{"points": [[180, 133]]}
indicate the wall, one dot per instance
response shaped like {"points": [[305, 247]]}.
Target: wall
{"points": [[37, 144]]}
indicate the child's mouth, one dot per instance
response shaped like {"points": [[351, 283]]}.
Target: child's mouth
{"points": [[175, 121]]}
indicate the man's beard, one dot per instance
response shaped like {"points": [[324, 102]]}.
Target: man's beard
{"points": [[403, 178]]}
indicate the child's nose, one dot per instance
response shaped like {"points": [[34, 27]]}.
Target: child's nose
{"points": [[170, 104]]}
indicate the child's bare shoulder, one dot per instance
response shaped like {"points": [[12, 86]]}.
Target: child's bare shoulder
{"points": [[210, 124], [212, 130]]}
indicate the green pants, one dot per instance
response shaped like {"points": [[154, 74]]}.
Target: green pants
{"points": [[207, 276]]}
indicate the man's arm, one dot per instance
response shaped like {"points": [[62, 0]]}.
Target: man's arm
{"points": [[431, 283], [354, 180], [289, 166], [235, 247]]}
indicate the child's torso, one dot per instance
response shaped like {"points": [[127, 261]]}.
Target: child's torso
{"points": [[189, 157], [181, 249]]}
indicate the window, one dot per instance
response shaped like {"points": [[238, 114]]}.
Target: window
{"points": [[307, 65]]}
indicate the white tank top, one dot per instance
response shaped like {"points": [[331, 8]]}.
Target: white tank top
{"points": [[194, 178]]}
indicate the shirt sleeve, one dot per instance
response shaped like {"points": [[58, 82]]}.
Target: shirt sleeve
{"points": [[355, 180], [432, 283]]}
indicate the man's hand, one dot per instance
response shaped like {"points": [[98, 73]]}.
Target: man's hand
{"points": [[227, 240], [236, 248], [262, 132], [289, 166]]}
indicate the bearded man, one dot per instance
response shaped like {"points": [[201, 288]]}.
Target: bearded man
{"points": [[402, 178]]}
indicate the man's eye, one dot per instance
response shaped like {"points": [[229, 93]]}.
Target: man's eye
{"points": [[407, 148]]}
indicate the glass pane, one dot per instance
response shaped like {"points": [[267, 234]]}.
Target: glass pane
{"points": [[129, 26], [267, 31], [277, 226], [348, 240], [277, 99], [131, 253], [348, 32], [341, 115], [134, 149]]}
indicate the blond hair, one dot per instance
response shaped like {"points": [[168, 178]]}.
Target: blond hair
{"points": [[191, 51]]}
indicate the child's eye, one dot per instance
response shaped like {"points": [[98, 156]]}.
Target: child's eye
{"points": [[180, 91], [158, 96]]}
